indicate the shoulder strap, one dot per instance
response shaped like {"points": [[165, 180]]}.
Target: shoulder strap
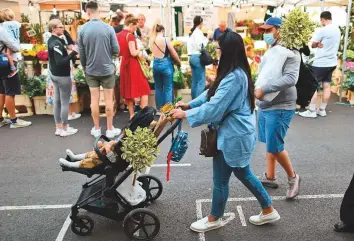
{"points": [[159, 48], [3, 48]]}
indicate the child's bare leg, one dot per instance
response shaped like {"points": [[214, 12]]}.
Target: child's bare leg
{"points": [[76, 157], [13, 68]]}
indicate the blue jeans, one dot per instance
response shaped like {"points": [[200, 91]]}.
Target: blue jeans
{"points": [[272, 128], [221, 178], [163, 77], [198, 75]]}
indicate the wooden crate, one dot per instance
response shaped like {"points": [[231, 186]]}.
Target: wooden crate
{"points": [[23, 106], [41, 107], [152, 102], [350, 97]]}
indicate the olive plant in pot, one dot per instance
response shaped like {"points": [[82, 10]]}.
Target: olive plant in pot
{"points": [[35, 88]]}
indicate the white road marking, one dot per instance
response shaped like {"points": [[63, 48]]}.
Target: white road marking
{"points": [[231, 216], [247, 199], [34, 207], [241, 215], [63, 229], [173, 165]]}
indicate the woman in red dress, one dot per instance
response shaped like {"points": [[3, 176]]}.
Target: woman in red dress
{"points": [[133, 83]]}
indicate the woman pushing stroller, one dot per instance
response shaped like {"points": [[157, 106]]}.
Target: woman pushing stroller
{"points": [[230, 104]]}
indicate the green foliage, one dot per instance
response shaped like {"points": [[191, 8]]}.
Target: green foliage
{"points": [[349, 80], [79, 77], [297, 29], [35, 86], [178, 79], [211, 48], [24, 18], [140, 148]]}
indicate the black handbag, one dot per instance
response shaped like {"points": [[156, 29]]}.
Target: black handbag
{"points": [[205, 58], [209, 140], [306, 85]]}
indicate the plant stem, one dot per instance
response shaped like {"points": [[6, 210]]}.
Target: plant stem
{"points": [[134, 179]]}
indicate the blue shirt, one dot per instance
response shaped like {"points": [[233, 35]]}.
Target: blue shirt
{"points": [[218, 32], [236, 134]]}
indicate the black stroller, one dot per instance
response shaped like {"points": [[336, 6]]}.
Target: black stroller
{"points": [[139, 222]]}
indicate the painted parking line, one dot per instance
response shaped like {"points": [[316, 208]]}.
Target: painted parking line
{"points": [[148, 169], [34, 207], [63, 229], [248, 199]]}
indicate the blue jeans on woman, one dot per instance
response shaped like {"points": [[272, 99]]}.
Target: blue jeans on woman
{"points": [[163, 77], [198, 75], [221, 178]]}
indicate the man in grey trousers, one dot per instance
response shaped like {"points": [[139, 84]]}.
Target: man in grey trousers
{"points": [[97, 44]]}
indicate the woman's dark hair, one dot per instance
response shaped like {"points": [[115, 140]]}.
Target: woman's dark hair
{"points": [[196, 22], [117, 18], [233, 55], [53, 16]]}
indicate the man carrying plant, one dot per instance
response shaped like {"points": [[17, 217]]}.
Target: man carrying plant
{"points": [[97, 45], [274, 116], [9, 86], [327, 42]]}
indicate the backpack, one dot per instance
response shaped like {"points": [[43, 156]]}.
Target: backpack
{"points": [[4, 63], [306, 85]]}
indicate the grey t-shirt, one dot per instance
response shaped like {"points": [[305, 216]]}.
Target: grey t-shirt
{"points": [[286, 99], [97, 44]]}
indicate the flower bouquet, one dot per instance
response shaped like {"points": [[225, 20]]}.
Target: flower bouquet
{"points": [[178, 45]]}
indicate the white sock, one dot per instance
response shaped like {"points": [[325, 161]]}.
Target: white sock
{"points": [[69, 164], [323, 106], [312, 107], [77, 157]]}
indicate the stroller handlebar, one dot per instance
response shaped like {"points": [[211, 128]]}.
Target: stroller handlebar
{"points": [[169, 131], [98, 151]]}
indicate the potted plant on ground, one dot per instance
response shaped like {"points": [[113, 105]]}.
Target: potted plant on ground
{"points": [[35, 89]]}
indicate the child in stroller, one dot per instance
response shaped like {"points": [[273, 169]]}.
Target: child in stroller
{"points": [[111, 177]]}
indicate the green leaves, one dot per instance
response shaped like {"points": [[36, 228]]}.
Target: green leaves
{"points": [[140, 148], [297, 29], [35, 86]]}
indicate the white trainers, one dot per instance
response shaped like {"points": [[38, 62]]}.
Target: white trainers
{"points": [[74, 116], [5, 122], [58, 131], [263, 219], [68, 132], [203, 225], [308, 114], [322, 113], [20, 124], [96, 132], [114, 132]]}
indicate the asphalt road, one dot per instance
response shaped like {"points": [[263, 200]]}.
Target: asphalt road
{"points": [[321, 150]]}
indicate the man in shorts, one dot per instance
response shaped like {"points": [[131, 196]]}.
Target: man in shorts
{"points": [[274, 117], [97, 44], [10, 86], [327, 42]]}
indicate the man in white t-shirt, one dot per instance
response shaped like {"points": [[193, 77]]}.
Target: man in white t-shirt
{"points": [[327, 42]]}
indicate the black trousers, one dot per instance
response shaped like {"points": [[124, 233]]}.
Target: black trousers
{"points": [[347, 207]]}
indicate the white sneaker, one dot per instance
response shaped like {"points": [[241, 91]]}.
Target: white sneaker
{"points": [[96, 132], [5, 122], [20, 124], [322, 113], [203, 225], [74, 116], [114, 132], [263, 219], [58, 131], [68, 132], [308, 114]]}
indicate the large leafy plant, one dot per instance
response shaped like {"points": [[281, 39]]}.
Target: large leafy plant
{"points": [[35, 86], [140, 148], [296, 29]]}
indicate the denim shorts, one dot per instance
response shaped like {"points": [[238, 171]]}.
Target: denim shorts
{"points": [[272, 128]]}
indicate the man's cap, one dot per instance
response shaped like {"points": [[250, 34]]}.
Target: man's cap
{"points": [[271, 22]]}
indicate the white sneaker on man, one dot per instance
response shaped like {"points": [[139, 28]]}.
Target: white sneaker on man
{"points": [[68, 132], [114, 132], [96, 132], [74, 116], [308, 114], [322, 113], [203, 225], [20, 124], [263, 219], [5, 122]]}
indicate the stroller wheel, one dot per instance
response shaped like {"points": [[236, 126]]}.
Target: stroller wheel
{"points": [[141, 224], [82, 225], [152, 185]]}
